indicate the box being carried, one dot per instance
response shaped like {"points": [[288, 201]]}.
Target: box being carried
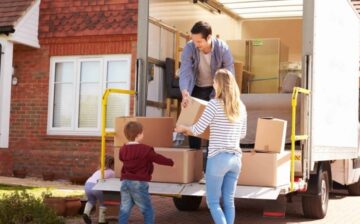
{"points": [[191, 114], [270, 135], [188, 165], [157, 130]]}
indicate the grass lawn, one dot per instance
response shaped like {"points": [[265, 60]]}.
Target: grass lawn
{"points": [[38, 191]]}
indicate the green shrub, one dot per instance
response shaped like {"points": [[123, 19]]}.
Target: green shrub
{"points": [[23, 208]]}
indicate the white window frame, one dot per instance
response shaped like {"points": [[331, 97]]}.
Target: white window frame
{"points": [[74, 129]]}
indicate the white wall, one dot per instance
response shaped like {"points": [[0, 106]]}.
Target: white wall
{"points": [[26, 30], [6, 71], [335, 56]]}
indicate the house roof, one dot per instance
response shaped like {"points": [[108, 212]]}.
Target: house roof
{"points": [[10, 13]]}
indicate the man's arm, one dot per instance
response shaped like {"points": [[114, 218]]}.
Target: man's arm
{"points": [[228, 61], [185, 98], [186, 74]]}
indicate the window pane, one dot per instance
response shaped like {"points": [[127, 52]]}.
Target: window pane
{"points": [[78, 85], [118, 105], [88, 109], [89, 89], [64, 71], [90, 71], [63, 105], [117, 71]]}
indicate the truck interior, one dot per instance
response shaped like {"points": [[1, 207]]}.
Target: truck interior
{"points": [[265, 39]]}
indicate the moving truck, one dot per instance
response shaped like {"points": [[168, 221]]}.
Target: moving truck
{"points": [[328, 116]]}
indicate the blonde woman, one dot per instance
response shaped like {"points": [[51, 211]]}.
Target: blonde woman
{"points": [[226, 116]]}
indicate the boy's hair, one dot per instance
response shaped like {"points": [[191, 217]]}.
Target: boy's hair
{"points": [[132, 129], [202, 28], [109, 162]]}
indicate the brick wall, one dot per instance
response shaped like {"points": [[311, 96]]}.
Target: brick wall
{"points": [[67, 27], [5, 162], [64, 18]]}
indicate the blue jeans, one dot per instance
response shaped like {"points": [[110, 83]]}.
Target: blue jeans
{"points": [[135, 192], [222, 172]]}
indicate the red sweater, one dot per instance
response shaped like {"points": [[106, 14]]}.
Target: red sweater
{"points": [[138, 161]]}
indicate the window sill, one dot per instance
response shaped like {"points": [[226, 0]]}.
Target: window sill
{"points": [[76, 138]]}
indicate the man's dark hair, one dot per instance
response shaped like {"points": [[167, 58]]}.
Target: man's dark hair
{"points": [[132, 130], [202, 28]]}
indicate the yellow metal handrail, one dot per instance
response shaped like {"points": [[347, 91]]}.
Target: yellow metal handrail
{"points": [[103, 123], [295, 137]]}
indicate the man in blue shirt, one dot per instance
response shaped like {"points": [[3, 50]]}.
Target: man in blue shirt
{"points": [[201, 58]]}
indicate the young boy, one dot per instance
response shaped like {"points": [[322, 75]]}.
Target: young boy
{"points": [[136, 172], [93, 195]]}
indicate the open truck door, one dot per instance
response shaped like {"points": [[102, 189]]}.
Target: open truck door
{"points": [[331, 62], [331, 50]]}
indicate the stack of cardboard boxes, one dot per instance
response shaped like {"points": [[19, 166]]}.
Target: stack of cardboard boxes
{"points": [[158, 132], [268, 164]]}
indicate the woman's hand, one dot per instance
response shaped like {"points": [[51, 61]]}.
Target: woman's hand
{"points": [[182, 129]]}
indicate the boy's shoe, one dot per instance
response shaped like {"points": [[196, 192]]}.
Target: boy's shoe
{"points": [[202, 181], [86, 218]]}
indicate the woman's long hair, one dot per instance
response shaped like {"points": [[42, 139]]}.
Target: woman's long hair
{"points": [[227, 90]]}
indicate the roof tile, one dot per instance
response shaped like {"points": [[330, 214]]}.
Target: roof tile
{"points": [[12, 10], [96, 19]]}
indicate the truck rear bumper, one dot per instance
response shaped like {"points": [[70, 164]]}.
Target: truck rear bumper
{"points": [[196, 189]]}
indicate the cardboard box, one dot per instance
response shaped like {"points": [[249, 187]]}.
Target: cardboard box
{"points": [[238, 73], [270, 135], [188, 165], [265, 169], [191, 114], [117, 162], [158, 131]]}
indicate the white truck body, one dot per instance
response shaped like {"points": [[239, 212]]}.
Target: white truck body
{"points": [[331, 40]]}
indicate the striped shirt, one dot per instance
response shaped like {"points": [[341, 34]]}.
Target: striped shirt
{"points": [[224, 135]]}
